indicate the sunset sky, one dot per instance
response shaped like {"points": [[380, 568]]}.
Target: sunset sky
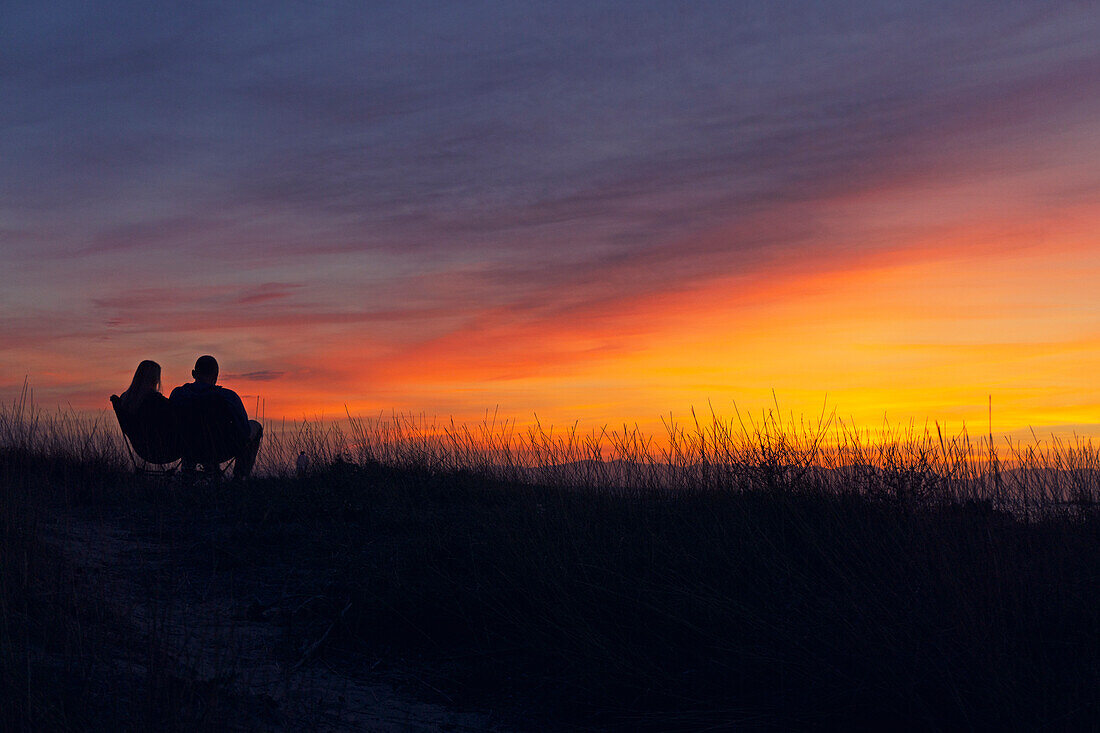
{"points": [[590, 211]]}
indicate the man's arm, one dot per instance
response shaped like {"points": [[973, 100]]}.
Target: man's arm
{"points": [[240, 417]]}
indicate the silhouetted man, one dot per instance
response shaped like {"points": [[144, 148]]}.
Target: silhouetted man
{"points": [[215, 423]]}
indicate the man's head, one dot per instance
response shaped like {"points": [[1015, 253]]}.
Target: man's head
{"points": [[206, 369]]}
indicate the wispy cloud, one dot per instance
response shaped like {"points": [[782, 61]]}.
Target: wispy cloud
{"points": [[265, 375]]}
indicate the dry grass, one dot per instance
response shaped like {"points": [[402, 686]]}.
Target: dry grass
{"points": [[757, 573], [907, 463]]}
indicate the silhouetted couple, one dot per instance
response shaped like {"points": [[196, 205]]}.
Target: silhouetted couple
{"points": [[202, 423]]}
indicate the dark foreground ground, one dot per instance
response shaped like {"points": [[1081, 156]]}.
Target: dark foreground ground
{"points": [[400, 600]]}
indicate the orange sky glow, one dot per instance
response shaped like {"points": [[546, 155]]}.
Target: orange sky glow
{"points": [[1004, 306], [891, 210]]}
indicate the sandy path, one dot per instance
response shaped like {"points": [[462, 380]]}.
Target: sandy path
{"points": [[215, 631]]}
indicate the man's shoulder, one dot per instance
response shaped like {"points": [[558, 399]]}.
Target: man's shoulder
{"points": [[235, 404], [227, 393], [184, 390], [194, 391]]}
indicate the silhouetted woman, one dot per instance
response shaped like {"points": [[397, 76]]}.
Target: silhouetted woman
{"points": [[147, 416], [144, 388]]}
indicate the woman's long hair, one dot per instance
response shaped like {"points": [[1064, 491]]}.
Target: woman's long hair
{"points": [[146, 381]]}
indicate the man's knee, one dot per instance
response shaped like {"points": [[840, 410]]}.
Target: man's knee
{"points": [[255, 430]]}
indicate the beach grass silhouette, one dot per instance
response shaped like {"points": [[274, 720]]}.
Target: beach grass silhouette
{"points": [[736, 573]]}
